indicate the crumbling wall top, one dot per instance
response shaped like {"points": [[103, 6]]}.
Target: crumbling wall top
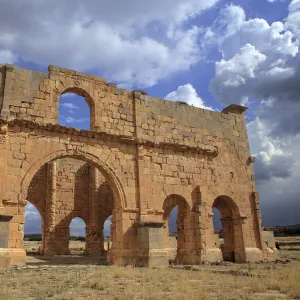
{"points": [[54, 70]]}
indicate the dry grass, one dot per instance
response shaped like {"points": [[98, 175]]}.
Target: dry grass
{"points": [[70, 282], [289, 242], [95, 282], [76, 247]]}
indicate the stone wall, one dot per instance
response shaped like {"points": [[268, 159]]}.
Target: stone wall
{"points": [[73, 198], [2, 83], [148, 151]]}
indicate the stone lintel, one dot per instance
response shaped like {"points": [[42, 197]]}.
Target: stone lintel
{"points": [[5, 218], [111, 84], [10, 203], [234, 108], [151, 224], [9, 67], [56, 69], [139, 92], [90, 134]]}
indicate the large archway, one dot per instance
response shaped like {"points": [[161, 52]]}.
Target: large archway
{"points": [[74, 111], [175, 205], [35, 212], [75, 96], [77, 236], [232, 244], [57, 227], [108, 173], [33, 230]]}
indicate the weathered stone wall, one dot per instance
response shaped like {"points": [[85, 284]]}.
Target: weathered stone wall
{"points": [[147, 149], [2, 83], [35, 97], [269, 239], [22, 96], [38, 190], [72, 190], [73, 198], [4, 231]]}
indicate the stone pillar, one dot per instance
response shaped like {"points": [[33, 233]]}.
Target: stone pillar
{"points": [[5, 254], [50, 228], [207, 248], [151, 243], [94, 236], [230, 237], [141, 186], [268, 253], [239, 239], [187, 239], [9, 76], [62, 236]]}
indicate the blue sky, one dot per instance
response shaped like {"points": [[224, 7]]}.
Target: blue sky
{"points": [[210, 53]]}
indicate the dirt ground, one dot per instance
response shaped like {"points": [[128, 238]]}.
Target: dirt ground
{"points": [[76, 247], [74, 277]]}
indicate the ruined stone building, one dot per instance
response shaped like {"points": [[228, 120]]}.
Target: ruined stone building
{"points": [[142, 157]]}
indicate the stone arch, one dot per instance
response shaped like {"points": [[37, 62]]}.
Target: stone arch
{"points": [[88, 98], [234, 248], [228, 204], [42, 215], [74, 216], [70, 220], [120, 202], [108, 173], [169, 203]]}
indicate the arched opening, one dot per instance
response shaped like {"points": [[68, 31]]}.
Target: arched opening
{"points": [[33, 230], [76, 109], [175, 208], [77, 243], [173, 235], [35, 208], [218, 236], [227, 225], [70, 186], [106, 210], [107, 234]]}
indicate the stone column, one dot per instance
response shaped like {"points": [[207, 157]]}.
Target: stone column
{"points": [[141, 187], [62, 235], [151, 242], [242, 252], [9, 76], [94, 239], [50, 228], [187, 241], [206, 240], [5, 254], [257, 219], [231, 239]]}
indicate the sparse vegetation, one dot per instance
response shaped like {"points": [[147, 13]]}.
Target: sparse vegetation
{"points": [[234, 281]]}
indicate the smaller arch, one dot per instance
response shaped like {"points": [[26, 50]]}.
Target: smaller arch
{"points": [[107, 232], [173, 200], [108, 172], [88, 99], [75, 247], [227, 205], [175, 245], [80, 92], [233, 248], [75, 216], [38, 221]]}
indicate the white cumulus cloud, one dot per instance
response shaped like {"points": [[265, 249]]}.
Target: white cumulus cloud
{"points": [[7, 56], [131, 42], [187, 93], [260, 66]]}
